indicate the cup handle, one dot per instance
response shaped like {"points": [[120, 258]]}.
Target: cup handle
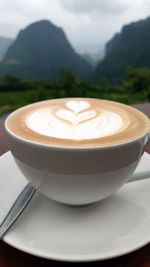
{"points": [[144, 174], [147, 140], [139, 176]]}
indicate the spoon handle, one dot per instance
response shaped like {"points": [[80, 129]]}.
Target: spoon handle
{"points": [[19, 205]]}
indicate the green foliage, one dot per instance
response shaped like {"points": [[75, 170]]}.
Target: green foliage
{"points": [[10, 101], [15, 93], [138, 80]]}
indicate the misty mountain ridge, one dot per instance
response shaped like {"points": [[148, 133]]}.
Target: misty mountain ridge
{"points": [[42, 51], [5, 42]]}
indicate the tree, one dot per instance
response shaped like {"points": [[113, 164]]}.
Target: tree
{"points": [[68, 81], [138, 80]]}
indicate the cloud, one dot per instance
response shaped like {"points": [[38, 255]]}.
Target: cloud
{"points": [[86, 22], [95, 6], [16, 14]]}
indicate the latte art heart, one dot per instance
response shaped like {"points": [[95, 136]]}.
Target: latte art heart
{"points": [[77, 106], [75, 118], [77, 121]]}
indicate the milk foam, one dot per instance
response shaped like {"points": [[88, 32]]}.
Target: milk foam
{"points": [[74, 120]]}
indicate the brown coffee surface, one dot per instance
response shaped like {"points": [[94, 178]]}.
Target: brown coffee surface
{"points": [[78, 122]]}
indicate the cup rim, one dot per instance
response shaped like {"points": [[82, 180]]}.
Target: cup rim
{"points": [[73, 148]]}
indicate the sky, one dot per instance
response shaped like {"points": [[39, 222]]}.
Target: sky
{"points": [[88, 24]]}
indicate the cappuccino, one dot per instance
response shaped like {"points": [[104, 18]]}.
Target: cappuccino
{"points": [[78, 122]]}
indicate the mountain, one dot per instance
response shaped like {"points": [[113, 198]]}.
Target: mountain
{"points": [[42, 51], [131, 47], [4, 44]]}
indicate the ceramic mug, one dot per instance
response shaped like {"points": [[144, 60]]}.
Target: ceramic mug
{"points": [[76, 176]]}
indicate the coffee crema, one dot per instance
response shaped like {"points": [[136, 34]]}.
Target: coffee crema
{"points": [[78, 122]]}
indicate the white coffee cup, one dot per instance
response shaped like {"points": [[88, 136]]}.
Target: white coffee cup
{"points": [[77, 150], [77, 176]]}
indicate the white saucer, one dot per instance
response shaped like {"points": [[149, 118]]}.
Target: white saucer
{"points": [[111, 228]]}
